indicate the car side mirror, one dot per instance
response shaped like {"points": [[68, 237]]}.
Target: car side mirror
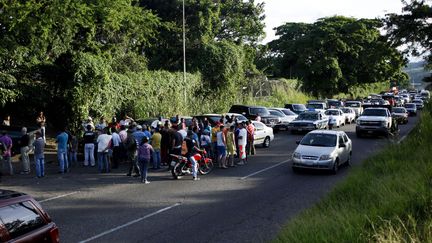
{"points": [[298, 142], [342, 145]]}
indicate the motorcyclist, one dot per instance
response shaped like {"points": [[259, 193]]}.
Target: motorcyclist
{"points": [[192, 148]]}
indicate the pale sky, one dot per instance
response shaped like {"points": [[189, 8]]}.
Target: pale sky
{"points": [[279, 12]]}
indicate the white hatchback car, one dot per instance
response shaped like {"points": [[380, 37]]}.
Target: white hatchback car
{"points": [[263, 134], [323, 150]]}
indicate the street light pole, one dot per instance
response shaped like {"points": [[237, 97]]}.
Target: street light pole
{"points": [[184, 51]]}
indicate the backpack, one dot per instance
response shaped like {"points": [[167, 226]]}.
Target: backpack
{"points": [[131, 143]]}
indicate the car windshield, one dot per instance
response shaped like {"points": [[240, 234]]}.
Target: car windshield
{"points": [[315, 106], [240, 118], [410, 105], [352, 104], [319, 140], [308, 116], [346, 110], [399, 110], [299, 107], [334, 103], [332, 112], [288, 112], [259, 111], [374, 112], [276, 113]]}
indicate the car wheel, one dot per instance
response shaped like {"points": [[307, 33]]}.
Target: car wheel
{"points": [[358, 134], [335, 167], [266, 142], [295, 169]]}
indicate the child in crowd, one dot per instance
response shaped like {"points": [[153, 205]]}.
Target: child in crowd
{"points": [[145, 151]]}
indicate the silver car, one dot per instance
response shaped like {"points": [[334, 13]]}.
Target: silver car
{"points": [[322, 150]]}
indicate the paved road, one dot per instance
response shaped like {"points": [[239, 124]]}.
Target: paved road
{"points": [[243, 204]]}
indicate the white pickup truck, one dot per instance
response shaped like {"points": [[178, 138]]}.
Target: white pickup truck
{"points": [[376, 120]]}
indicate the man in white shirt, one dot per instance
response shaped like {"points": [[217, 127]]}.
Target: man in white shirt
{"points": [[242, 141], [104, 144]]}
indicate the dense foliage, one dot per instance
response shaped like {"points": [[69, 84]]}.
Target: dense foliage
{"points": [[74, 58], [335, 53]]}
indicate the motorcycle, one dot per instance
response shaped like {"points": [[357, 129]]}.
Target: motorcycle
{"points": [[180, 165]]}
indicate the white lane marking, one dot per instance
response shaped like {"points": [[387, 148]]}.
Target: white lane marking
{"points": [[130, 223], [53, 198], [268, 168]]}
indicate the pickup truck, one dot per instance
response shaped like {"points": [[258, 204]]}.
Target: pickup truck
{"points": [[376, 120]]}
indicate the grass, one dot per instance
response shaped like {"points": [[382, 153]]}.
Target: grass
{"points": [[386, 199]]}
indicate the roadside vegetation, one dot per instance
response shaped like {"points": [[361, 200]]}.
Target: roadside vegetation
{"points": [[386, 199]]}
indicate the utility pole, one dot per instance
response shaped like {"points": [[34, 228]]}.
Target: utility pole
{"points": [[184, 51]]}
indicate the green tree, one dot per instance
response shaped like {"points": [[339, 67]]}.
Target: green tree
{"points": [[412, 28], [335, 53]]}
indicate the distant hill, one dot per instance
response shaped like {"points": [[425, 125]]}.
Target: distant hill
{"points": [[416, 71]]}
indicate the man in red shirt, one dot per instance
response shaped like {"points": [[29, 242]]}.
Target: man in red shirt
{"points": [[250, 147]]}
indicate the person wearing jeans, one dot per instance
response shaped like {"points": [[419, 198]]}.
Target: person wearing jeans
{"points": [[104, 144], [7, 141], [39, 145], [24, 149], [62, 155], [103, 164], [89, 139], [156, 144], [145, 151]]}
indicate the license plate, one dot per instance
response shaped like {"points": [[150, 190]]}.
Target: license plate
{"points": [[300, 129], [173, 163], [369, 131]]}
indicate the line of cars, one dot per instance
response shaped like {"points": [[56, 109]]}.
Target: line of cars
{"points": [[381, 114]]}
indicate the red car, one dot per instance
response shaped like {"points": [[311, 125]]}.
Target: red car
{"points": [[22, 219]]}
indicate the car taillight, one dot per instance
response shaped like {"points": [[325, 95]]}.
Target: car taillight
{"points": [[54, 233]]}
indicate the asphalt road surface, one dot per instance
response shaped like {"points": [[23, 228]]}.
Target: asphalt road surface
{"points": [[244, 204]]}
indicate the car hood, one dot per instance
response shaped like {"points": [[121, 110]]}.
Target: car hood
{"points": [[303, 121], [371, 118], [314, 150]]}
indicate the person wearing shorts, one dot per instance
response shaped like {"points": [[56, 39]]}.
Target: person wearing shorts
{"points": [[221, 147]]}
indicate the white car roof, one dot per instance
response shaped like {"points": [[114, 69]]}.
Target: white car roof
{"points": [[334, 132]]}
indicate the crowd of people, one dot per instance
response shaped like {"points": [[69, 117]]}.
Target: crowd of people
{"points": [[108, 145]]}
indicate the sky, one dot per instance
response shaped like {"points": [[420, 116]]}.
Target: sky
{"points": [[279, 12]]}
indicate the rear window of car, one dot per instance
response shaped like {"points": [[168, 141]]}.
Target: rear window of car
{"points": [[20, 218]]}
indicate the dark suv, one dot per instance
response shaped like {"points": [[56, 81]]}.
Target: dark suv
{"points": [[22, 219], [252, 112]]}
